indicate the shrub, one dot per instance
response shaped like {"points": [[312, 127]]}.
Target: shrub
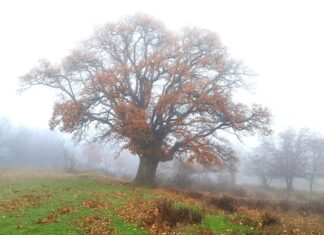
{"points": [[225, 203], [315, 206], [172, 216], [284, 205], [269, 219], [238, 191], [194, 194]]}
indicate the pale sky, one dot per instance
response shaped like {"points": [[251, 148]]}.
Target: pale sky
{"points": [[281, 41]]}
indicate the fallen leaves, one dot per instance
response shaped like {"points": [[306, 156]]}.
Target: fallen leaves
{"points": [[54, 215], [28, 200], [183, 197], [97, 205], [94, 225], [158, 216], [142, 213]]}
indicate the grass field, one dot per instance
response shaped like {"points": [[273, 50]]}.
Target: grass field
{"points": [[90, 204]]}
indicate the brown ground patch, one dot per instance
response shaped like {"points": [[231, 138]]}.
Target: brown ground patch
{"points": [[118, 195], [94, 225], [104, 195], [142, 213], [97, 205], [54, 215], [28, 200], [159, 217]]}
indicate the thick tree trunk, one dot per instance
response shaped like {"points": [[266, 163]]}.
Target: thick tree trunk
{"points": [[146, 172]]}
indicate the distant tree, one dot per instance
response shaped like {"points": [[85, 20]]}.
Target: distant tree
{"points": [[315, 160], [93, 155], [120, 161], [260, 165], [5, 136], [157, 93], [283, 156], [183, 172], [69, 158]]}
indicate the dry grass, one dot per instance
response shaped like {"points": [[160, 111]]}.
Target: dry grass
{"points": [[269, 214]]}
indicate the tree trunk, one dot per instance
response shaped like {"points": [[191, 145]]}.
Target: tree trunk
{"points": [[311, 184], [146, 172], [289, 183], [265, 183]]}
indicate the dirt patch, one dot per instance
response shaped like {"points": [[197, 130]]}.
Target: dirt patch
{"points": [[94, 225], [54, 215], [97, 205]]}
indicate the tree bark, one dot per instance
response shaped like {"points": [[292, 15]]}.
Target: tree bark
{"points": [[146, 172]]}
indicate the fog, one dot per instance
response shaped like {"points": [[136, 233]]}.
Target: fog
{"points": [[29, 148], [279, 43]]}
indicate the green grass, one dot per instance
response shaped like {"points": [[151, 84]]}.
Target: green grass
{"points": [[219, 224], [71, 192]]}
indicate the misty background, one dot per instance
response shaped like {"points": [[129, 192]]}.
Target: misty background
{"points": [[280, 42]]}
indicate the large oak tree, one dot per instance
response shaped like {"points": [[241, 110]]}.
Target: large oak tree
{"points": [[158, 93]]}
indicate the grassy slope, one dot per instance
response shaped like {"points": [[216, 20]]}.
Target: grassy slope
{"points": [[25, 203], [50, 203]]}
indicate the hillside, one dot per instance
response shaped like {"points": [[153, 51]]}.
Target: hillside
{"points": [[54, 203]]}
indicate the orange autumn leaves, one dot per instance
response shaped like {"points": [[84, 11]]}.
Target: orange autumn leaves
{"points": [[68, 113]]}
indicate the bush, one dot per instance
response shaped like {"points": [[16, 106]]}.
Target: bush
{"points": [[225, 203], [315, 206], [194, 194], [284, 205], [238, 191], [172, 216], [269, 219], [256, 203]]}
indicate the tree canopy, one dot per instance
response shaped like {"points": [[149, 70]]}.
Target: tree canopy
{"points": [[158, 93]]}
